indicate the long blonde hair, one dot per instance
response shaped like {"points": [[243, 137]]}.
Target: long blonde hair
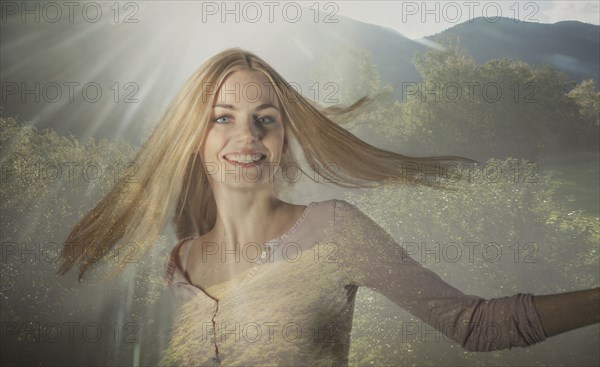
{"points": [[172, 182]]}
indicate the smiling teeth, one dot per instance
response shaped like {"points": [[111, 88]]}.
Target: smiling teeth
{"points": [[244, 158]]}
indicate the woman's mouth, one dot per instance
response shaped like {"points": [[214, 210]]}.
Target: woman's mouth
{"points": [[245, 160]]}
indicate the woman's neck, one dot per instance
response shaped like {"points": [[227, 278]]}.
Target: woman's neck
{"points": [[245, 216]]}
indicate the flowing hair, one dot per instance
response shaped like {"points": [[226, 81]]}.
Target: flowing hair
{"points": [[172, 182]]}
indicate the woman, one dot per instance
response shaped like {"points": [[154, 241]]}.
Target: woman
{"points": [[264, 282]]}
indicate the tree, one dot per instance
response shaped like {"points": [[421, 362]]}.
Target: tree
{"points": [[48, 182], [501, 108]]}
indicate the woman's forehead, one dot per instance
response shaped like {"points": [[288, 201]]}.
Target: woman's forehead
{"points": [[249, 87]]}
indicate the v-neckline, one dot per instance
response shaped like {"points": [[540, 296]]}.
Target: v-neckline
{"points": [[251, 271]]}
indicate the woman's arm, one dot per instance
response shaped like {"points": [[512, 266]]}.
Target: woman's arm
{"points": [[566, 311], [371, 257]]}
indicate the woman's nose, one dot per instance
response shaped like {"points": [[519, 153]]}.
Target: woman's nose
{"points": [[248, 131]]}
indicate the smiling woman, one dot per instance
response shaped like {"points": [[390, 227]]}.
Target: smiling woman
{"points": [[245, 130], [264, 282]]}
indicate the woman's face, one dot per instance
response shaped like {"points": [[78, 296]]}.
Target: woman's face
{"points": [[245, 137]]}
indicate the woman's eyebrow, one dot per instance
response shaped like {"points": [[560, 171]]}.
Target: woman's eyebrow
{"points": [[264, 106], [261, 107]]}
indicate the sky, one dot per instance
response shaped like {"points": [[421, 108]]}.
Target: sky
{"points": [[417, 19]]}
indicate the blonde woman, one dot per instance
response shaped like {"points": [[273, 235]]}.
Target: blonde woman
{"points": [[264, 282]]}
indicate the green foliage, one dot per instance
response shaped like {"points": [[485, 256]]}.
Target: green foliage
{"points": [[508, 207], [43, 174], [48, 183], [501, 108], [587, 97]]}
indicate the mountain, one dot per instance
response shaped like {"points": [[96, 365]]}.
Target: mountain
{"points": [[571, 46]]}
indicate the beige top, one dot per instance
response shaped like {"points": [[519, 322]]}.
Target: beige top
{"points": [[294, 307]]}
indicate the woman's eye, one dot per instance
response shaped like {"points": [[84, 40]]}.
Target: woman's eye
{"points": [[265, 119], [259, 120], [221, 119]]}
